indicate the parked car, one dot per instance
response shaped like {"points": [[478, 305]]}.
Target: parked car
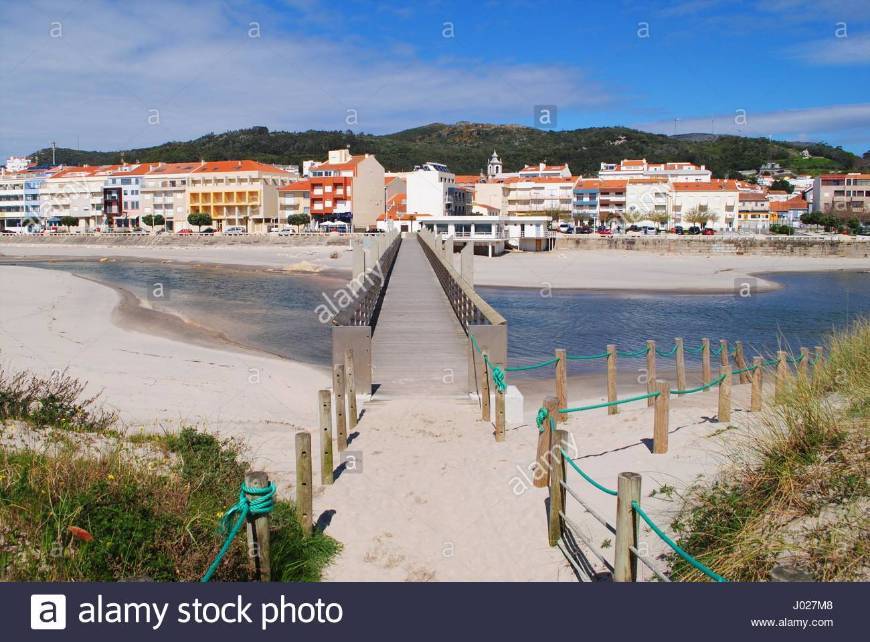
{"points": [[604, 231], [677, 229], [235, 230], [208, 230], [694, 230], [185, 232], [566, 228], [708, 231], [286, 231], [583, 229]]}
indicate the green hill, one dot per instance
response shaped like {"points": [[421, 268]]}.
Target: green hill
{"points": [[465, 148]]}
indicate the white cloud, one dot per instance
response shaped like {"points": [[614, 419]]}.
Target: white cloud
{"points": [[814, 123], [199, 69], [849, 50]]}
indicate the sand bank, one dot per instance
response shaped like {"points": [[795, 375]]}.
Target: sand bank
{"points": [[609, 270]]}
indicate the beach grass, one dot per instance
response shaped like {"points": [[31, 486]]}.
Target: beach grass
{"points": [[796, 493], [144, 508]]}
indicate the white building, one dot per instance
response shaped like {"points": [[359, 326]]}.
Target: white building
{"points": [[493, 234], [680, 172], [717, 199], [646, 199], [537, 195], [431, 189], [17, 164]]}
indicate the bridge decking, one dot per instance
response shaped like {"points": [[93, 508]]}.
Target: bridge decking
{"points": [[418, 348]]}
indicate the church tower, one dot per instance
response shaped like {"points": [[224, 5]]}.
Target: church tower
{"points": [[494, 167]]}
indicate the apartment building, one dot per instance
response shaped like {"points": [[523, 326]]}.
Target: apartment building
{"points": [[431, 189], [647, 199], [550, 195], [77, 192], [237, 193], [21, 200], [679, 172], [122, 205], [347, 188], [842, 194], [585, 206], [611, 199], [294, 200], [163, 192], [753, 211], [717, 200]]}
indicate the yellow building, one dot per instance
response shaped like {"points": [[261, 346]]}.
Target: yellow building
{"points": [[237, 193]]}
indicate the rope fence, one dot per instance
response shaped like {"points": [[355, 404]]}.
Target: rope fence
{"points": [[552, 459]]}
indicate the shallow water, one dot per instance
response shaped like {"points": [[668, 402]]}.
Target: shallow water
{"points": [[276, 312]]}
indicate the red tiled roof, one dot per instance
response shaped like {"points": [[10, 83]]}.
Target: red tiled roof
{"points": [[791, 204], [231, 166], [298, 186], [729, 185]]}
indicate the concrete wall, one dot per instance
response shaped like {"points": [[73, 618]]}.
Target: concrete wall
{"points": [[720, 245], [175, 240]]}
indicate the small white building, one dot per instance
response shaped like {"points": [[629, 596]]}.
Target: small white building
{"points": [[494, 234], [431, 189]]}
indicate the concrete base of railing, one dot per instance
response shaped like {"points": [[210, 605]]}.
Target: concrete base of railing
{"points": [[513, 405]]}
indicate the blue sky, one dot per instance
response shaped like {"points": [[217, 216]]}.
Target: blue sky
{"points": [[116, 75]]}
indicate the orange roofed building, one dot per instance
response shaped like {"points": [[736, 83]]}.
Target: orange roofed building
{"points": [[347, 188]]}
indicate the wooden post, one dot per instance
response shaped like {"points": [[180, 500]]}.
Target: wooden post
{"points": [[757, 382], [340, 417], [304, 507], [680, 359], [562, 382], [706, 372], [724, 413], [819, 361], [350, 388], [499, 414], [781, 375], [660, 423], [724, 357], [541, 477], [740, 362], [804, 364], [326, 465], [484, 389], [611, 378], [650, 370], [557, 493], [624, 561], [258, 533]]}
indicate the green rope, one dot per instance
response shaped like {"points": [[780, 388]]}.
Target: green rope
{"points": [[474, 342], [541, 418], [679, 551], [636, 353], [543, 364], [705, 386], [497, 375], [697, 350], [609, 403], [668, 353], [603, 489], [795, 359], [742, 370], [771, 362], [262, 504], [583, 357], [716, 352]]}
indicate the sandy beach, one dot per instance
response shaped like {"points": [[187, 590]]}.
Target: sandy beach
{"points": [[598, 270], [632, 271], [433, 496]]}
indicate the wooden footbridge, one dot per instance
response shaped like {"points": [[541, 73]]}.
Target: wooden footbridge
{"points": [[409, 324]]}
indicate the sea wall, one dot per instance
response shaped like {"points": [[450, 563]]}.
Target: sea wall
{"points": [[784, 246], [176, 240]]}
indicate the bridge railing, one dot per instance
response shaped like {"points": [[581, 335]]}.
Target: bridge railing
{"points": [[353, 324], [469, 306], [485, 327], [367, 286]]}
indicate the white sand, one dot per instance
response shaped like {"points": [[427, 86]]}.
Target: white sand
{"points": [[272, 256], [643, 271], [437, 498]]}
